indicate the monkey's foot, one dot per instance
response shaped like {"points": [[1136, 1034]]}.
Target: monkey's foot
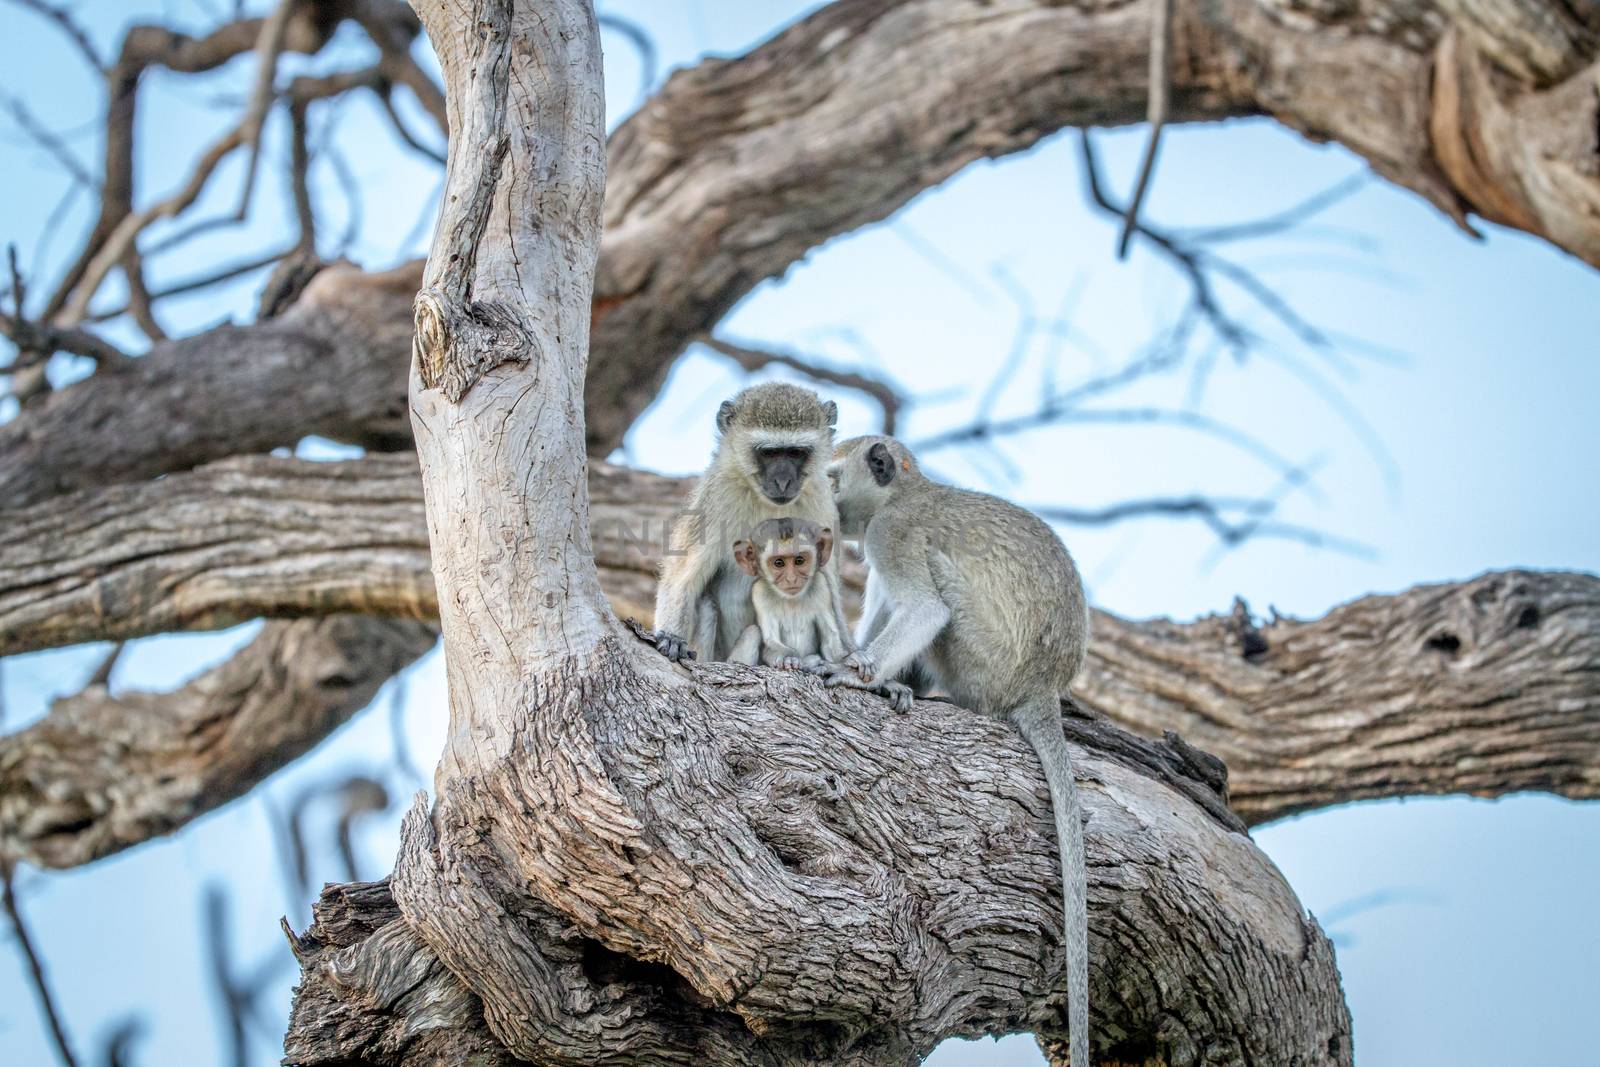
{"points": [[671, 646], [899, 696]]}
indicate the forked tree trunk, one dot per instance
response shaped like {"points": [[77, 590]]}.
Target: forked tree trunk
{"points": [[629, 862]]}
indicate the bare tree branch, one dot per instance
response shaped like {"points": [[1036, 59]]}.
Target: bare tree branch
{"points": [[41, 987], [269, 45], [101, 772], [75, 33], [1160, 102], [886, 396], [1516, 707]]}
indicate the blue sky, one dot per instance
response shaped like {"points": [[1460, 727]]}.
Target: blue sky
{"points": [[1460, 439]]}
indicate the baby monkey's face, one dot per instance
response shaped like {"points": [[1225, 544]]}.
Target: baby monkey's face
{"points": [[788, 566], [785, 553]]}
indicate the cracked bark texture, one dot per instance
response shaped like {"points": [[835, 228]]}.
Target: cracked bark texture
{"points": [[629, 861], [738, 167], [1486, 687]]}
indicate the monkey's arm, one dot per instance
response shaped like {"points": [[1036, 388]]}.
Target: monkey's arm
{"points": [[833, 637], [748, 648], [684, 578], [919, 611], [774, 651]]}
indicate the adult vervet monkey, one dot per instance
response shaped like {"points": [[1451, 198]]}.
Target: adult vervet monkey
{"points": [[774, 440], [981, 597]]}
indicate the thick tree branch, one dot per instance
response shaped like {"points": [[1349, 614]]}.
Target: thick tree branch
{"points": [[330, 365], [102, 772], [1304, 712], [1487, 687], [262, 536], [841, 804]]}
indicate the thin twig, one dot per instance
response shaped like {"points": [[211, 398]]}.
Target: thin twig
{"points": [[202, 281], [888, 397], [386, 96], [48, 140], [102, 673], [128, 230], [642, 43], [269, 46], [63, 18], [1160, 94], [41, 987]]}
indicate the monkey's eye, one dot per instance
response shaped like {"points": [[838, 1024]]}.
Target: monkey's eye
{"points": [[778, 563], [799, 561]]}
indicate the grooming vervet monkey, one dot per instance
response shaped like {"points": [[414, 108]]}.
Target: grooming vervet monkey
{"points": [[774, 440], [798, 622], [980, 597]]}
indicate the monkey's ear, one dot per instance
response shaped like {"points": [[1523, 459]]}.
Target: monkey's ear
{"points": [[744, 554], [831, 410], [823, 547], [725, 416], [880, 463]]}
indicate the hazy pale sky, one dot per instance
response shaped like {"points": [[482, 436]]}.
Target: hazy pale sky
{"points": [[1448, 430]]}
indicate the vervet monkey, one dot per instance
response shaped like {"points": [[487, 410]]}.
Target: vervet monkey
{"points": [[774, 440], [980, 596], [798, 625]]}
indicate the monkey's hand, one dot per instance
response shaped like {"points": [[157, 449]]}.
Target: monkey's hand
{"points": [[899, 696], [791, 663], [862, 663], [672, 646]]}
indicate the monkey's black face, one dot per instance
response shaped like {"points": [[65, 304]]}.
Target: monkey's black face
{"points": [[781, 471]]}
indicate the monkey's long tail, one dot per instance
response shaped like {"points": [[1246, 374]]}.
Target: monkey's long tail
{"points": [[1040, 723]]}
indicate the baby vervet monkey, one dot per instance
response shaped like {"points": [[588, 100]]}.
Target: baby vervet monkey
{"points": [[980, 597], [797, 625], [773, 440]]}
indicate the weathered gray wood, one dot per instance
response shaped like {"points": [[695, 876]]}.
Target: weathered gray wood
{"points": [[265, 536], [632, 862], [880, 881]]}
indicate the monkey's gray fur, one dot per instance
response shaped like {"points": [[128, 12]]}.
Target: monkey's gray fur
{"points": [[980, 597], [774, 442]]}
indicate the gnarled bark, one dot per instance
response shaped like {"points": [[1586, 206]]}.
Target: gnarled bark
{"points": [[858, 884], [266, 536]]}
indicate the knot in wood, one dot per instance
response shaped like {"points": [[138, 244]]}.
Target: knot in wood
{"points": [[457, 342]]}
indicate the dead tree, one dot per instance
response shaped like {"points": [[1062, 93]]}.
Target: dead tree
{"points": [[630, 862]]}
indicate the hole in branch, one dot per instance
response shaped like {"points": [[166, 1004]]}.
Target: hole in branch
{"points": [[1445, 642]]}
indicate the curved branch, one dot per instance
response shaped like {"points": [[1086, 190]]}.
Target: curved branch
{"points": [[332, 365], [709, 193], [102, 772]]}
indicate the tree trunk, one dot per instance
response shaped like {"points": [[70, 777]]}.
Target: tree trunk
{"points": [[632, 862]]}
